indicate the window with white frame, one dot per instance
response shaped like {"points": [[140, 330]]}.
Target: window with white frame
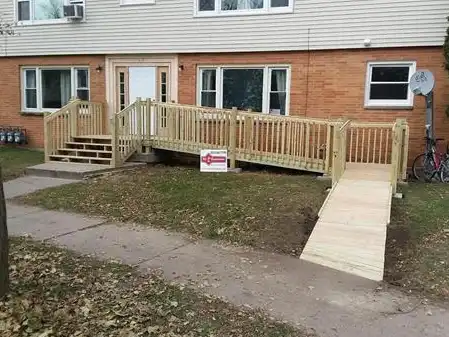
{"points": [[259, 88], [50, 88], [387, 84], [235, 7], [39, 11]]}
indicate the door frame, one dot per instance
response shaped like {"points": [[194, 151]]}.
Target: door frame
{"points": [[117, 61]]}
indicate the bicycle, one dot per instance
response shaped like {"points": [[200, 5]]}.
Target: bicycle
{"points": [[431, 163]]}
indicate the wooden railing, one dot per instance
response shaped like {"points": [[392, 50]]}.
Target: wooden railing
{"points": [[272, 140], [301, 143], [89, 119], [124, 134], [370, 143], [188, 128], [77, 118], [58, 129]]}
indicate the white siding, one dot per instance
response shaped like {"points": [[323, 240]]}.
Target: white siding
{"points": [[170, 27]]}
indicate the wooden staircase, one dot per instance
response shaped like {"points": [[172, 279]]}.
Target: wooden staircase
{"points": [[95, 149]]}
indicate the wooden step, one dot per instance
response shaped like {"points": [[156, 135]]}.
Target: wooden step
{"points": [[80, 159], [89, 146], [89, 153], [93, 139]]}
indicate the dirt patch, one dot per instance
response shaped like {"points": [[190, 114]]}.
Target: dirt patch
{"points": [[268, 211], [417, 248]]}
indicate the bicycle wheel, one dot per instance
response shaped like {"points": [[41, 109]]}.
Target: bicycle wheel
{"points": [[444, 170], [423, 167]]}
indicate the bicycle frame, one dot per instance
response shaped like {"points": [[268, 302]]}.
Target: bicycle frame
{"points": [[431, 150]]}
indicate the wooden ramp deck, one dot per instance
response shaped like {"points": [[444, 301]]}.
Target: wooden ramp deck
{"points": [[351, 230]]}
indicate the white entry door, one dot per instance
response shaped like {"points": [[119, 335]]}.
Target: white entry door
{"points": [[144, 82]]}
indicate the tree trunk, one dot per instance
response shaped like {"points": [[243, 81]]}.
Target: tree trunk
{"points": [[4, 248]]}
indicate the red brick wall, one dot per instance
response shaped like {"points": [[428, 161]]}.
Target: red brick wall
{"points": [[336, 84], [10, 90]]}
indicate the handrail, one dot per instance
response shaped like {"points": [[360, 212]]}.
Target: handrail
{"points": [[127, 132], [58, 128], [76, 118]]}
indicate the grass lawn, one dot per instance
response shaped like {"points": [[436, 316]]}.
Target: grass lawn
{"points": [[418, 240], [14, 160], [57, 293], [267, 211]]}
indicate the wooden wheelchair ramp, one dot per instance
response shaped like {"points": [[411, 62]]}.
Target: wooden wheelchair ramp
{"points": [[351, 230]]}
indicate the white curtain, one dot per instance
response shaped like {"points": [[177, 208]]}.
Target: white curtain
{"points": [[208, 79], [281, 80], [281, 85], [65, 87], [249, 4]]}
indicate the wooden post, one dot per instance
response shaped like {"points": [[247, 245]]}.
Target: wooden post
{"points": [[232, 138], [397, 128], [114, 140], [336, 154], [139, 124], [4, 245], [73, 119], [148, 120], [402, 148], [46, 139]]}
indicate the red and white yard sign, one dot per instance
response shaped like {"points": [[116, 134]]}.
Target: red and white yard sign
{"points": [[214, 161]]}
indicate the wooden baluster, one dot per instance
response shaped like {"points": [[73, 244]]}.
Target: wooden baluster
{"points": [[302, 143], [363, 145], [350, 145], [307, 144], [387, 143], [257, 131], [374, 146], [288, 132], [267, 134], [148, 119], [241, 125], [312, 146], [381, 138], [327, 148], [318, 145], [278, 136], [369, 145], [221, 122], [357, 145]]}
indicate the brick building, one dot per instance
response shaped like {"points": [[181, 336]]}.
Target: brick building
{"points": [[285, 57]]}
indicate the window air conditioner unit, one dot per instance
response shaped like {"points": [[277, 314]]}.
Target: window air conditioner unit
{"points": [[74, 12]]}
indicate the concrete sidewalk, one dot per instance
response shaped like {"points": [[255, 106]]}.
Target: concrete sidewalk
{"points": [[331, 302]]}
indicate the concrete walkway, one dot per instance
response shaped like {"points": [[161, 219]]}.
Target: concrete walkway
{"points": [[331, 302]]}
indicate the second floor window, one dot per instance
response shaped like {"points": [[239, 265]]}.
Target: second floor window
{"points": [[232, 7], [30, 10], [42, 10]]}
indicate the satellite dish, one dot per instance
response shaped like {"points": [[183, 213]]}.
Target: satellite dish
{"points": [[422, 82]]}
